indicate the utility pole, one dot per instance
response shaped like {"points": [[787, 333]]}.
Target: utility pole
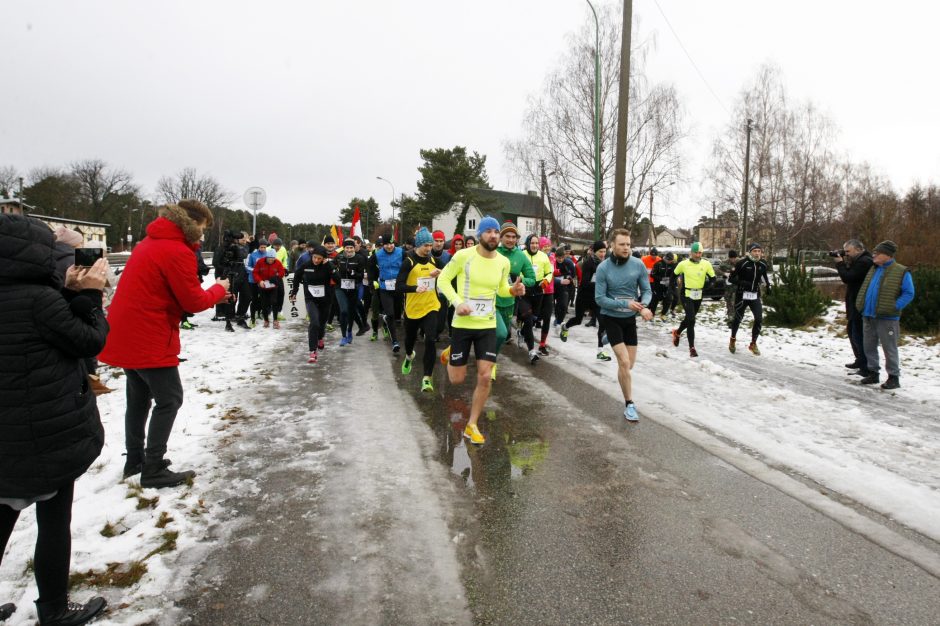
{"points": [[714, 225], [597, 123], [651, 238], [620, 166], [747, 180], [542, 197]]}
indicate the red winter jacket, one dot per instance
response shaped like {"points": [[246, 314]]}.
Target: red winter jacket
{"points": [[268, 271], [157, 285]]}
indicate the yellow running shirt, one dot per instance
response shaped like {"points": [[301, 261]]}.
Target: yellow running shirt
{"points": [[479, 280]]}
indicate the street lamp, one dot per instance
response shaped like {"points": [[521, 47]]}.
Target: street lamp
{"points": [[597, 123], [393, 200], [130, 237]]}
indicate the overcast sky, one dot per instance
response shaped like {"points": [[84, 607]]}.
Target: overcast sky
{"points": [[313, 100]]}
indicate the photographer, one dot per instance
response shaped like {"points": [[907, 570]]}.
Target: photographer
{"points": [[229, 262], [853, 265]]}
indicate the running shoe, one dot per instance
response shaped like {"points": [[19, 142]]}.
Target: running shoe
{"points": [[362, 331], [473, 433], [675, 337], [603, 356], [329, 328], [564, 334], [395, 347], [348, 338], [753, 348], [343, 342], [277, 324], [543, 349], [445, 356], [731, 347], [426, 384], [693, 353], [493, 372], [320, 345], [313, 357], [266, 323], [374, 337], [187, 325], [385, 332], [533, 356], [630, 413], [406, 364]]}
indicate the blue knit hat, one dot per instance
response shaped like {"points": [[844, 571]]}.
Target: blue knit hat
{"points": [[423, 237], [487, 223]]}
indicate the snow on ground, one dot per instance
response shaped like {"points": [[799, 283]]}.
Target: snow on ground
{"points": [[163, 529], [794, 406]]}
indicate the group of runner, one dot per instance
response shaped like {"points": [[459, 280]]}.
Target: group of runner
{"points": [[474, 292]]}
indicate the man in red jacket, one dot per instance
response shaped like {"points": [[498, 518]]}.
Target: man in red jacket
{"points": [[157, 285]]}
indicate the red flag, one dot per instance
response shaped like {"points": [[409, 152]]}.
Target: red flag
{"points": [[339, 243], [356, 228]]}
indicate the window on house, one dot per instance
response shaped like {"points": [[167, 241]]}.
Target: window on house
{"points": [[471, 224]]}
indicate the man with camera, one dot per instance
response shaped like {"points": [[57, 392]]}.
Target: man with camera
{"points": [[853, 265], [229, 263]]}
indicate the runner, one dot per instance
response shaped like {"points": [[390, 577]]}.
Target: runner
{"points": [[565, 275], [541, 303], [519, 265], [585, 300], [665, 278], [386, 262], [350, 269], [316, 274], [442, 256], [481, 274], [746, 277], [694, 272], [622, 289], [267, 274], [416, 282], [726, 267]]}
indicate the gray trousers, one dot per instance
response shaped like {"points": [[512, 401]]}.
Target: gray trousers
{"points": [[885, 332], [163, 387]]}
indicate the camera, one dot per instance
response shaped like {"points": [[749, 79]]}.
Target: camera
{"points": [[837, 253]]}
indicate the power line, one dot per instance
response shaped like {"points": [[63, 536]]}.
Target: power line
{"points": [[689, 57]]}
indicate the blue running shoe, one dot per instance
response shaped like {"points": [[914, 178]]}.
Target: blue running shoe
{"points": [[630, 413], [343, 342]]}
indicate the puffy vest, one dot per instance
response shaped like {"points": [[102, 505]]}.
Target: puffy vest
{"points": [[888, 290]]}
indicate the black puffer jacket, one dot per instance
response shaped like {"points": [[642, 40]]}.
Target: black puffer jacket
{"points": [[50, 431]]}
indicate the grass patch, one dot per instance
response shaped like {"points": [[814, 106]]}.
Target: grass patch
{"points": [[167, 543], [114, 575], [144, 503], [165, 518], [30, 567], [210, 405], [109, 530], [204, 390], [235, 414]]}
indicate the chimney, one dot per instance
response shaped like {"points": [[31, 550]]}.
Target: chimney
{"points": [[533, 193]]}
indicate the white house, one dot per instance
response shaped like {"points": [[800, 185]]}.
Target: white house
{"points": [[522, 209], [94, 233]]}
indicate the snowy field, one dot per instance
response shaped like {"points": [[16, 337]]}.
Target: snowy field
{"points": [[794, 408]]}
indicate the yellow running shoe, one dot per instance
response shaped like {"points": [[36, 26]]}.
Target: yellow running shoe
{"points": [[493, 372], [426, 384], [473, 433], [445, 356]]}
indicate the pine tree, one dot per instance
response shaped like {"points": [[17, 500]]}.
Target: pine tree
{"points": [[794, 300]]}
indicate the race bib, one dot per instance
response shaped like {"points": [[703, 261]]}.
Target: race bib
{"points": [[750, 295], [480, 307], [265, 284], [365, 281], [664, 281], [390, 284], [347, 283], [593, 278], [695, 294], [317, 291], [427, 282], [535, 269]]}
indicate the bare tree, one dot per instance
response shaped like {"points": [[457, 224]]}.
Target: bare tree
{"points": [[558, 129], [102, 188], [188, 184], [9, 180]]}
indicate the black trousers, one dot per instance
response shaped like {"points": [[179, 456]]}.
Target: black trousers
{"points": [[428, 324], [582, 305], [561, 303], [659, 293], [53, 542], [163, 387], [317, 311], [388, 300], [854, 328], [267, 298], [688, 322], [740, 305], [525, 313]]}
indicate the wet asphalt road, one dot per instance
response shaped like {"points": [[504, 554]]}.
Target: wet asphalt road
{"points": [[567, 515]]}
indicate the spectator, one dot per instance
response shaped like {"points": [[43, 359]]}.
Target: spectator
{"points": [[853, 267], [157, 285], [50, 430], [887, 289]]}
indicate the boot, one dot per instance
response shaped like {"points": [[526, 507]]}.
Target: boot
{"points": [[891, 383], [241, 323], [228, 326], [731, 347], [871, 379], [97, 386], [64, 613], [155, 474], [134, 463], [6, 611]]}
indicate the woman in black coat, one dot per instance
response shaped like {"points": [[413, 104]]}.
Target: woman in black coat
{"points": [[50, 430]]}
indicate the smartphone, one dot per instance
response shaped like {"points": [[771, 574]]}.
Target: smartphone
{"points": [[86, 257]]}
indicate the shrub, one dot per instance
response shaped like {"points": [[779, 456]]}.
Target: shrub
{"points": [[794, 300], [923, 313]]}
